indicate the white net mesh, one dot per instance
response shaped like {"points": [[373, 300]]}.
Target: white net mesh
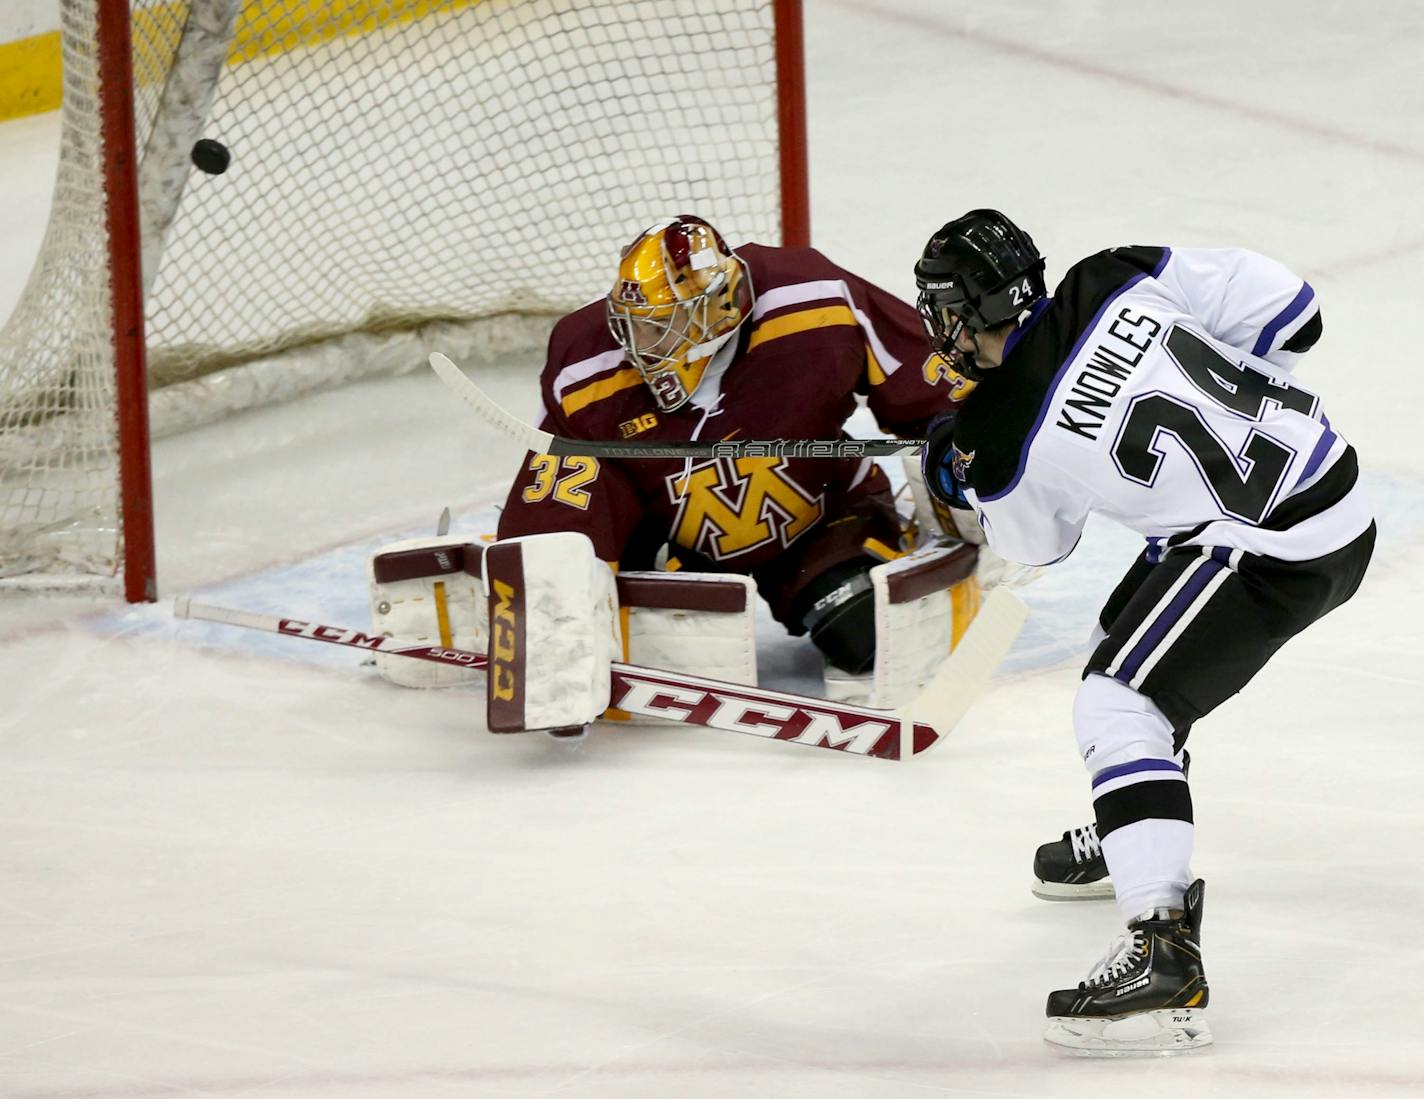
{"points": [[393, 163], [58, 509]]}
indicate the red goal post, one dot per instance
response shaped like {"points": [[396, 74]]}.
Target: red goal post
{"points": [[405, 176]]}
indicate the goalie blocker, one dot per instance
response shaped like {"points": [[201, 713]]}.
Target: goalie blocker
{"points": [[543, 607], [559, 619]]}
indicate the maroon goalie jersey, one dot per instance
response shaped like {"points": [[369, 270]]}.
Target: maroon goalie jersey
{"points": [[816, 337]]}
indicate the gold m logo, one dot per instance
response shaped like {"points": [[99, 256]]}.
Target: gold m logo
{"points": [[732, 506]]}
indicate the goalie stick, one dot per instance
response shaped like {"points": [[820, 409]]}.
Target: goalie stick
{"points": [[542, 442], [757, 711]]}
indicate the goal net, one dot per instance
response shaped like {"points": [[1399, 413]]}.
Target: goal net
{"points": [[402, 176]]}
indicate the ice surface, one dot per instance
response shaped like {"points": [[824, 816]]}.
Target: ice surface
{"points": [[238, 865]]}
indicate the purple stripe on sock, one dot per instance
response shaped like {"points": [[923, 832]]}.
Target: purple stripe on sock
{"points": [[1168, 618], [1284, 317], [1110, 773]]}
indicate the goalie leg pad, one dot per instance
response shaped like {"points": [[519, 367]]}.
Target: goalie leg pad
{"points": [[924, 602], [428, 590], [700, 623], [553, 612]]}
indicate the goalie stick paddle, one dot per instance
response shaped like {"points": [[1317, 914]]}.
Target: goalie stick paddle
{"points": [[542, 442], [756, 711]]}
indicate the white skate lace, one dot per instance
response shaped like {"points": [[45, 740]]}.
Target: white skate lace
{"points": [[1124, 954], [1085, 843]]}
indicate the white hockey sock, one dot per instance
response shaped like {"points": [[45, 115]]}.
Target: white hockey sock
{"points": [[1149, 861]]}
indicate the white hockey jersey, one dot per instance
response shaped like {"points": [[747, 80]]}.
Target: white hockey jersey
{"points": [[1154, 387]]}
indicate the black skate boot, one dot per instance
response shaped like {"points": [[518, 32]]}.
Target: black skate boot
{"points": [[1147, 996], [1073, 868]]}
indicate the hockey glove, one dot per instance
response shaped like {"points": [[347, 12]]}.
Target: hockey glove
{"points": [[936, 461]]}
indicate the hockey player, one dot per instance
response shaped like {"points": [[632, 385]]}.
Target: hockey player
{"points": [[1154, 386], [697, 341]]}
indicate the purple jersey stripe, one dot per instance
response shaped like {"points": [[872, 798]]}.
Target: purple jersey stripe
{"points": [[1035, 311], [1110, 773], [1284, 317], [1322, 448], [1168, 618], [1063, 369]]}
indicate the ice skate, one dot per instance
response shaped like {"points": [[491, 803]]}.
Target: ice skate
{"points": [[1147, 996], [1072, 868]]}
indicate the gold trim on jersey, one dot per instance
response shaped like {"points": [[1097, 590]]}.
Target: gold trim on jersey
{"points": [[802, 320], [596, 391], [873, 369], [788, 324]]}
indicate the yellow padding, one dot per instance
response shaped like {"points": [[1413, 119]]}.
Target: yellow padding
{"points": [[31, 72], [612, 714], [964, 599], [30, 76], [876, 548], [263, 32], [442, 615]]}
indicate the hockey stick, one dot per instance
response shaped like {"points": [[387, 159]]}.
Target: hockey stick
{"points": [[757, 711], [542, 442]]}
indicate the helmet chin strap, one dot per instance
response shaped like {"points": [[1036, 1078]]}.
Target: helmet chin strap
{"points": [[966, 362]]}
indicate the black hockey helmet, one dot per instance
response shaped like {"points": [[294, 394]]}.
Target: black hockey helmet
{"points": [[983, 269]]}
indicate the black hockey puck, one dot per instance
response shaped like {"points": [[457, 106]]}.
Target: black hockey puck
{"points": [[211, 156]]}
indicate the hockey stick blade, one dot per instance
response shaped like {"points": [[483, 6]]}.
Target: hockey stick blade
{"points": [[965, 674], [542, 442], [672, 696]]}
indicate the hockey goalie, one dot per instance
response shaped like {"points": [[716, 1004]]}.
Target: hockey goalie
{"points": [[696, 341]]}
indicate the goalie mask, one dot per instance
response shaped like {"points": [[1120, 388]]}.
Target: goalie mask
{"points": [[681, 294]]}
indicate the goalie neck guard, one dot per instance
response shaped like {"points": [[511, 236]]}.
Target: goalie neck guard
{"points": [[681, 294]]}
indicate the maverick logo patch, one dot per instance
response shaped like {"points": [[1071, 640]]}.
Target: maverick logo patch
{"points": [[959, 464]]}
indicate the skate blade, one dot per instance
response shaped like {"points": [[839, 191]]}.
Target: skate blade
{"points": [[1142, 1034], [1084, 891]]}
